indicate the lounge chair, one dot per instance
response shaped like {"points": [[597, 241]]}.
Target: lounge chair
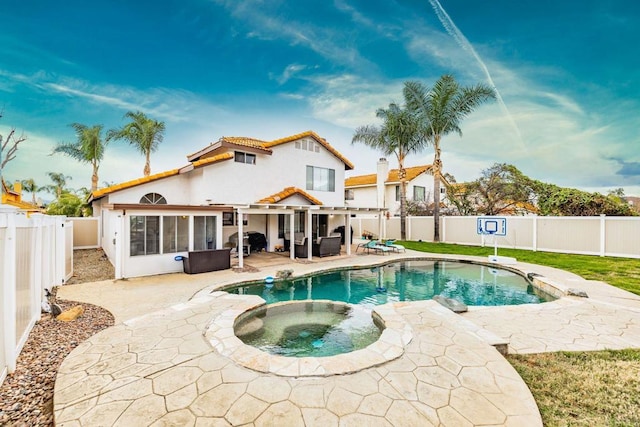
{"points": [[396, 248], [374, 245]]}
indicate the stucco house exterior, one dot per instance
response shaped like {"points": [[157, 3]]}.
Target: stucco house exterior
{"points": [[234, 185], [382, 189]]}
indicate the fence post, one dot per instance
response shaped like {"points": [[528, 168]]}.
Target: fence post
{"points": [[60, 250], [535, 233], [9, 293], [603, 233], [444, 229], [37, 285]]}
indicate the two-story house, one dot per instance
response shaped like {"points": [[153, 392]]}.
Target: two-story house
{"points": [[234, 185], [382, 189]]}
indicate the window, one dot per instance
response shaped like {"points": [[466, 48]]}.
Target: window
{"points": [[348, 195], [247, 158], [175, 234], [284, 228], [397, 193], [308, 145], [418, 194], [321, 179], [153, 199], [281, 222], [227, 218], [204, 232], [144, 235]]}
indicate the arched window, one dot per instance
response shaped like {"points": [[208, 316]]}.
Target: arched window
{"points": [[153, 199]]}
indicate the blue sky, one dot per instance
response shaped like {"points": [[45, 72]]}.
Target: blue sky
{"points": [[567, 72]]}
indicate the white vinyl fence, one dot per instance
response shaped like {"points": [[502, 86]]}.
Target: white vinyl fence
{"points": [[599, 235], [35, 253]]}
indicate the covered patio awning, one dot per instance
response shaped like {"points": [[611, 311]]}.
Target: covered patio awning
{"points": [[276, 209]]}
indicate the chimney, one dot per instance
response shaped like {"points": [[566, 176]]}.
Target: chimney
{"points": [[17, 187], [381, 177]]}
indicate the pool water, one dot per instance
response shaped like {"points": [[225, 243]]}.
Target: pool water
{"points": [[310, 329], [471, 284]]}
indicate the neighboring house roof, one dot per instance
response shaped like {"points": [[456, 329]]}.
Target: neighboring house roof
{"points": [[392, 177], [14, 198], [288, 192], [108, 190]]}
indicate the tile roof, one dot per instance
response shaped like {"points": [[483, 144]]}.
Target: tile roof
{"points": [[245, 141], [288, 192], [370, 179], [236, 140], [13, 198], [315, 136], [211, 160], [128, 184]]}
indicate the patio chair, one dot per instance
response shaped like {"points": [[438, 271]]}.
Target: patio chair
{"points": [[396, 248]]}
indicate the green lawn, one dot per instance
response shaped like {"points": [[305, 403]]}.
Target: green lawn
{"points": [[600, 388], [623, 273]]}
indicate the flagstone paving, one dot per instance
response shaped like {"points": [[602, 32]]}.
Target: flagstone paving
{"points": [[181, 366]]}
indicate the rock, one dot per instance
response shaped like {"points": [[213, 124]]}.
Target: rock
{"points": [[284, 274], [450, 303], [71, 314], [574, 292]]}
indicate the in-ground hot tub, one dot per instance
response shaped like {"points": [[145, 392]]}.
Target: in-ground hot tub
{"points": [[388, 343], [308, 328]]}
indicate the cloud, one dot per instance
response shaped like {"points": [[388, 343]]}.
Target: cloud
{"points": [[267, 22], [174, 105], [290, 71], [349, 100]]}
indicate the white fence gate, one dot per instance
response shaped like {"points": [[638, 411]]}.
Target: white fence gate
{"points": [[35, 253], [589, 235]]}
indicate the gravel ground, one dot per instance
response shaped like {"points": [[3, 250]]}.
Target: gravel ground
{"points": [[26, 396]]}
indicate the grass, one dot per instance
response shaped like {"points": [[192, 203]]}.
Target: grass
{"points": [[623, 273], [600, 388]]}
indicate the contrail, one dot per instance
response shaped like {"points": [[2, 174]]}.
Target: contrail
{"points": [[462, 41]]}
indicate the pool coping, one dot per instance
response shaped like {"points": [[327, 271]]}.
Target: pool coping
{"points": [[397, 334]]}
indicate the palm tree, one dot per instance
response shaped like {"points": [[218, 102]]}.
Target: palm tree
{"points": [[29, 185], [143, 133], [441, 109], [89, 148], [400, 135], [59, 183]]}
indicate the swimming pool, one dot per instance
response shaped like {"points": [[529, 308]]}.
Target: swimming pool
{"points": [[472, 284]]}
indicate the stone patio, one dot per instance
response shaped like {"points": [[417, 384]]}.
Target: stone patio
{"points": [[169, 367]]}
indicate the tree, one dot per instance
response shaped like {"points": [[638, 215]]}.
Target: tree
{"points": [[441, 109], [59, 183], [89, 148], [9, 147], [502, 189], [143, 133], [462, 197], [69, 204], [400, 135], [29, 185]]}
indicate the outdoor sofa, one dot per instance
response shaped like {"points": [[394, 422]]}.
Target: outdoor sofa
{"points": [[326, 246], [207, 260]]}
